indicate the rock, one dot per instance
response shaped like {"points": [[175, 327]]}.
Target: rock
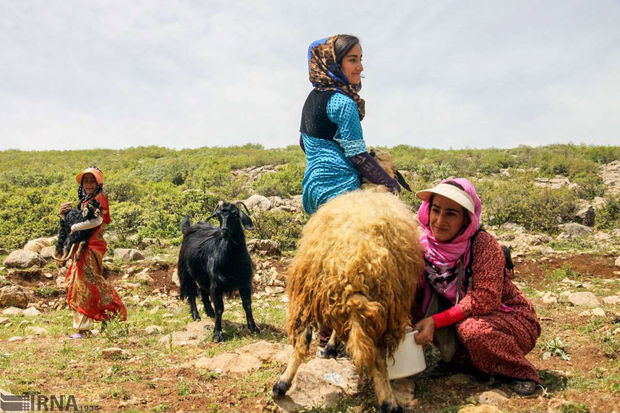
{"points": [[36, 245], [612, 300], [12, 311], [585, 216], [144, 276], [60, 281], [175, 278], [190, 335], [268, 352], [37, 331], [127, 254], [584, 314], [602, 236], [48, 275], [320, 383], [617, 263], [230, 363], [457, 379], [573, 230], [31, 312], [494, 396], [46, 252], [549, 298], [112, 353], [483, 408], [583, 299], [264, 247], [16, 338], [13, 296], [258, 202], [152, 329], [3, 251], [599, 312], [610, 174], [3, 321], [23, 259]]}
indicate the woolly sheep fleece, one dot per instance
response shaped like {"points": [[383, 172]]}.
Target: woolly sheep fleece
{"points": [[363, 242]]}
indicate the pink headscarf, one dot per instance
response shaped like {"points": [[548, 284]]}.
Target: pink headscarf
{"points": [[445, 256]]}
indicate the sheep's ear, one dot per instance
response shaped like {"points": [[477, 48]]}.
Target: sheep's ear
{"points": [[401, 180], [246, 221]]}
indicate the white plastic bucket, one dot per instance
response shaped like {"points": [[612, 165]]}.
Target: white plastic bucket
{"points": [[408, 358]]}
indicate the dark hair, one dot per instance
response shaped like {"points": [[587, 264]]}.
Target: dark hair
{"points": [[343, 45]]}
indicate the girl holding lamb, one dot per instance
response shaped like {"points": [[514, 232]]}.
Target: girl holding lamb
{"points": [[331, 132], [89, 294], [468, 304]]}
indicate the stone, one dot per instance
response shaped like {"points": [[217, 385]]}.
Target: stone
{"points": [[12, 311], [112, 353], [585, 216], [268, 352], [36, 245], [190, 335], [127, 254], [482, 408], [37, 331], [14, 296], [549, 298], [458, 379], [258, 202], [263, 247], [4, 320], [617, 263], [60, 281], [23, 259], [175, 278], [583, 299], [144, 276], [152, 329], [602, 236], [31, 312], [599, 312], [230, 363], [573, 230], [612, 300], [494, 397], [16, 338], [321, 383]]}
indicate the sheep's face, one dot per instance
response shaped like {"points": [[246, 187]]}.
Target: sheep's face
{"points": [[230, 216]]}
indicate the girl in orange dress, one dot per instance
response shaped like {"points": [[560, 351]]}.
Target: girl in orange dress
{"points": [[89, 294]]}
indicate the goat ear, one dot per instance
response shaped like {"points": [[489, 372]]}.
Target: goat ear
{"points": [[401, 180], [246, 221]]}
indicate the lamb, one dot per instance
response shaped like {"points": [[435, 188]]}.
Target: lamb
{"points": [[356, 271], [66, 240], [216, 260]]}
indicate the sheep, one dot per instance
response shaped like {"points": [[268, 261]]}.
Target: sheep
{"points": [[356, 271], [66, 240], [217, 260]]}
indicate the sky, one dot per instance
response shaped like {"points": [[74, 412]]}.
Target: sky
{"points": [[77, 74]]}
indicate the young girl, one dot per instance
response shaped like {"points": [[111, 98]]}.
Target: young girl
{"points": [[89, 294]]}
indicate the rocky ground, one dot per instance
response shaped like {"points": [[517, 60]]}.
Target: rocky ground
{"points": [[159, 360]]}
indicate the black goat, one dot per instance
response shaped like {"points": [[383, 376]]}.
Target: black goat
{"points": [[217, 261], [66, 240]]}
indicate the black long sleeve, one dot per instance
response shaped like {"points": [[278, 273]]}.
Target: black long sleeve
{"points": [[370, 169]]}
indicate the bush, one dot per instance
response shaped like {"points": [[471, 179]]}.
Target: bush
{"points": [[284, 183], [282, 227], [608, 217]]}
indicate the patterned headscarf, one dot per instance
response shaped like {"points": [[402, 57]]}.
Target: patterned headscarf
{"points": [[442, 258], [82, 195], [326, 74]]}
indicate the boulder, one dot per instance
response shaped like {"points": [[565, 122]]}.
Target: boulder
{"points": [[4, 320], [127, 254], [113, 353], [13, 296], [612, 300], [549, 298], [31, 312], [46, 252], [153, 329], [264, 247], [617, 263], [599, 312], [175, 278], [494, 396], [585, 216], [230, 363], [258, 202], [573, 230], [37, 331], [12, 311], [36, 245], [320, 383], [23, 259], [583, 299]]}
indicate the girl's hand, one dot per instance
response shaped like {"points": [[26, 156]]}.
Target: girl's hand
{"points": [[426, 328], [65, 207]]}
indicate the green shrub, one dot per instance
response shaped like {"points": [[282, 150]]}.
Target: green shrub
{"points": [[284, 183], [608, 217], [282, 227]]}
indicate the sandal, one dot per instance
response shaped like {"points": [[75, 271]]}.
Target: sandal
{"points": [[523, 387], [76, 336], [440, 369]]}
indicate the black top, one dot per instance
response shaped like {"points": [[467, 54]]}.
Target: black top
{"points": [[314, 119]]}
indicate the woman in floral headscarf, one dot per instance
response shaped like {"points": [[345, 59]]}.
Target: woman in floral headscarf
{"points": [[468, 304], [89, 294], [331, 132]]}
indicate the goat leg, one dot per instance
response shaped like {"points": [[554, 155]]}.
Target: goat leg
{"points": [[385, 395], [302, 346], [207, 303], [246, 300], [218, 302]]}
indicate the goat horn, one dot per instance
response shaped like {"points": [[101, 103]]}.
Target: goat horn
{"points": [[65, 258], [246, 208]]}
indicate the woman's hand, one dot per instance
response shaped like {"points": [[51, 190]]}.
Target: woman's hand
{"points": [[65, 207], [426, 330]]}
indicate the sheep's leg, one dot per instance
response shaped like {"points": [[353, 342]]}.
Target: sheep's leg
{"points": [[331, 348], [246, 300], [302, 346], [218, 302], [207, 303], [383, 390], [190, 291]]}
